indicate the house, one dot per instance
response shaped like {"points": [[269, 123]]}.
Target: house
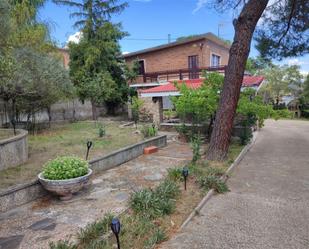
{"points": [[182, 61]]}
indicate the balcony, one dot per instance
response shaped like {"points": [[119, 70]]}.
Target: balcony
{"points": [[177, 74]]}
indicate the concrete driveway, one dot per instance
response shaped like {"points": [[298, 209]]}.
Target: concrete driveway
{"points": [[268, 205]]}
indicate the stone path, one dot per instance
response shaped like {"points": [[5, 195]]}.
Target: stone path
{"points": [[268, 205], [35, 224]]}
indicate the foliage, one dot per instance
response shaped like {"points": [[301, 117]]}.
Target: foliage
{"points": [[157, 237], [65, 167], [155, 203], [62, 244], [305, 93], [96, 65], [132, 72], [257, 64], [169, 114], [284, 30], [102, 130], [214, 171], [196, 146], [253, 109], [209, 182], [281, 80], [94, 230], [183, 130], [174, 174], [136, 106], [149, 131], [199, 105]]}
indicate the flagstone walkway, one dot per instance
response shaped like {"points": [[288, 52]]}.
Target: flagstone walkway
{"points": [[48, 219]]}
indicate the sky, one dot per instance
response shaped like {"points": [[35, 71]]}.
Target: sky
{"points": [[149, 22]]}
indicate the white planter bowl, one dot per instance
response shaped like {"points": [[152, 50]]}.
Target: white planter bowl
{"points": [[65, 188]]}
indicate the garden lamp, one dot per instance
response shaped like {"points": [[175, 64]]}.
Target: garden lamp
{"points": [[115, 226], [89, 144], [185, 173]]}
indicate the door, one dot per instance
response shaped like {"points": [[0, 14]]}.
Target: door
{"points": [[193, 67]]}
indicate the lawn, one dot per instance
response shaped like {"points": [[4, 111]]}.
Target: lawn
{"points": [[68, 139]]}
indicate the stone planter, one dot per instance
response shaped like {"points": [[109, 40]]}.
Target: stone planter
{"points": [[65, 188]]}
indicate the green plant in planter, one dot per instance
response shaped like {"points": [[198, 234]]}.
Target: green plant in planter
{"points": [[65, 167]]}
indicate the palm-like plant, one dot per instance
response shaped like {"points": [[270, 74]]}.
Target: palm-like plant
{"points": [[92, 14]]}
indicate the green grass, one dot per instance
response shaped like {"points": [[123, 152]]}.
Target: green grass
{"points": [[68, 139]]}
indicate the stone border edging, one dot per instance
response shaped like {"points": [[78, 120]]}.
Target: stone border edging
{"points": [[211, 192], [29, 191]]}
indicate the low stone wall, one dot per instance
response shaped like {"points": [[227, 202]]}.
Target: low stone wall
{"points": [[27, 192], [13, 150]]}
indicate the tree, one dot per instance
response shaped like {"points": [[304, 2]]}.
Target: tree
{"points": [[256, 65], [136, 107], [244, 26], [96, 59], [199, 105], [280, 81], [285, 29], [305, 93]]}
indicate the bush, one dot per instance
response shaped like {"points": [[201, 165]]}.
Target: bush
{"points": [[62, 244], [174, 174], [65, 167], [92, 231], [155, 203], [102, 130], [209, 182], [149, 131], [157, 237]]}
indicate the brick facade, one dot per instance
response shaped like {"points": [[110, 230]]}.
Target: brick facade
{"points": [[176, 57]]}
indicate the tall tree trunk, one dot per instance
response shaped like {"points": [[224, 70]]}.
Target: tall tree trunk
{"points": [[94, 110], [244, 27]]}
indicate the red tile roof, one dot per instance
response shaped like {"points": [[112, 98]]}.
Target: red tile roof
{"points": [[248, 81]]}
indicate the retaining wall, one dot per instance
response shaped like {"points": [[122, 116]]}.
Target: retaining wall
{"points": [[13, 150], [30, 191]]}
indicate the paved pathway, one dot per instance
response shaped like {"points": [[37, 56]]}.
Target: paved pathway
{"points": [[33, 225], [268, 205]]}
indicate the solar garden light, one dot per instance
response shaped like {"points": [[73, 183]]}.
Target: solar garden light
{"points": [[89, 144], [185, 173], [115, 226]]}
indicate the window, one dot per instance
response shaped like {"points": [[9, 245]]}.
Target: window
{"points": [[215, 60], [141, 68]]}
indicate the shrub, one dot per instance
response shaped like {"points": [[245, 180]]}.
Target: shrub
{"points": [[196, 146], [209, 182], [94, 230], [174, 174], [149, 131], [214, 171], [62, 244], [183, 130], [65, 167], [157, 237], [155, 203], [102, 130]]}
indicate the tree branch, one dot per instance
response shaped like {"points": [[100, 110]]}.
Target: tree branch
{"points": [[289, 22]]}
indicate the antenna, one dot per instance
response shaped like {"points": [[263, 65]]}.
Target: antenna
{"points": [[220, 24], [169, 38]]}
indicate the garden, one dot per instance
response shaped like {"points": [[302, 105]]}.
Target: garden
{"points": [[69, 139]]}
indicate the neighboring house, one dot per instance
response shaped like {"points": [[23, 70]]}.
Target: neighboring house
{"points": [[158, 98], [184, 59]]}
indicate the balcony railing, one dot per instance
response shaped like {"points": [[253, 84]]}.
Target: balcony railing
{"points": [[179, 74]]}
